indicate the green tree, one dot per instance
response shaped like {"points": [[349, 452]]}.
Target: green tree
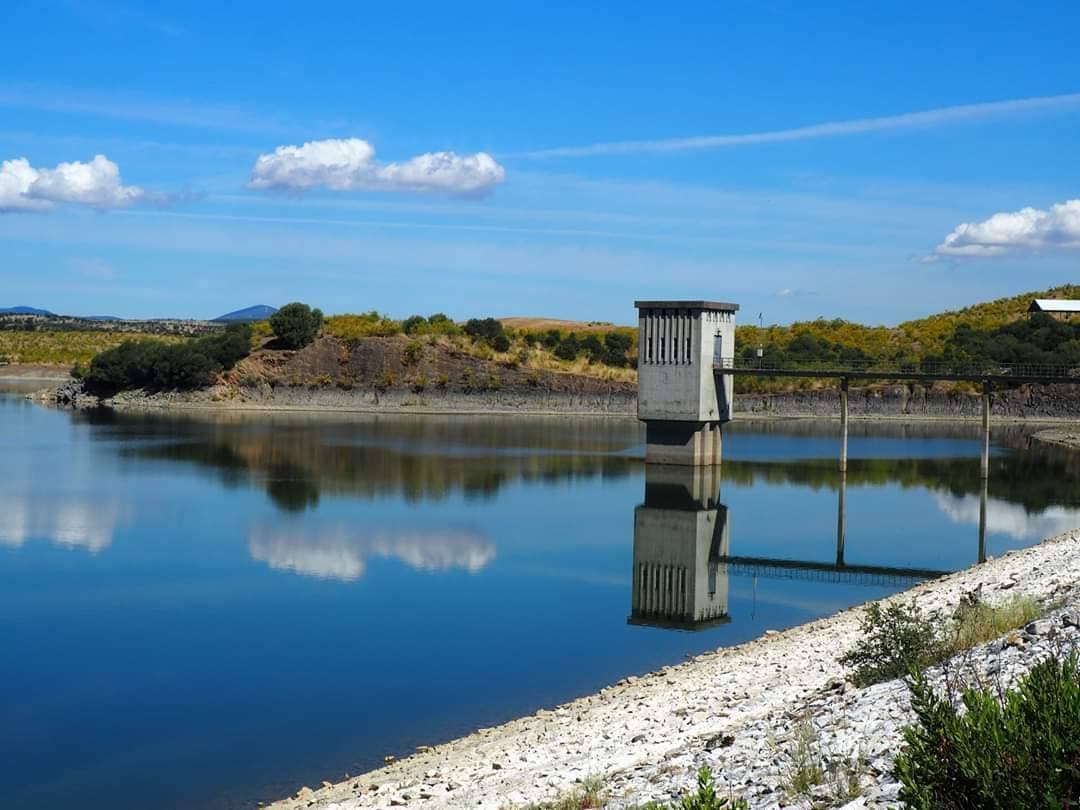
{"points": [[414, 324], [296, 325]]}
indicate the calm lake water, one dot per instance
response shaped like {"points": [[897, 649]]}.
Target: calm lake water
{"points": [[203, 612]]}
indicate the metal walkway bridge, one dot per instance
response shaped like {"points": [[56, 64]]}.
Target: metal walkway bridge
{"points": [[825, 572], [1005, 374]]}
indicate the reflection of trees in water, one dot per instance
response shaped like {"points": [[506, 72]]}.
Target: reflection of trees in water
{"points": [[1039, 477], [297, 457], [297, 465]]}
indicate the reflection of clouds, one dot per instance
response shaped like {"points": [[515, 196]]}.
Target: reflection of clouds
{"points": [[72, 522], [1012, 519], [342, 553]]}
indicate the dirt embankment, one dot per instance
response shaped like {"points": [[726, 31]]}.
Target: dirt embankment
{"points": [[395, 374]]}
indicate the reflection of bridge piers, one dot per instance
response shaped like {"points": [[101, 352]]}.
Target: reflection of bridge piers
{"points": [[680, 535], [683, 558]]}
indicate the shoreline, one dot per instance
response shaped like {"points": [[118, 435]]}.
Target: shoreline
{"points": [[740, 416], [648, 734], [530, 403]]}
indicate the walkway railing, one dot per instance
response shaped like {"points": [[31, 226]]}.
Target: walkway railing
{"points": [[1026, 371]]}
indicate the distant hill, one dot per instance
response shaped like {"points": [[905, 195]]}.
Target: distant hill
{"points": [[25, 311], [259, 312]]}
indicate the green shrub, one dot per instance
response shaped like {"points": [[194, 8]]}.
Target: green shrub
{"points": [[152, 364], [704, 798], [412, 353], [895, 640], [442, 380], [296, 325], [568, 348], [592, 346], [356, 327], [440, 324], [588, 797], [617, 346], [977, 622], [1019, 750], [414, 325], [489, 331], [805, 771]]}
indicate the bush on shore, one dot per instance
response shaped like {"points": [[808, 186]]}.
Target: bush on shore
{"points": [[897, 640], [154, 365], [1017, 749]]}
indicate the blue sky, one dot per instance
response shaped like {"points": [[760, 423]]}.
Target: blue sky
{"points": [[879, 215]]}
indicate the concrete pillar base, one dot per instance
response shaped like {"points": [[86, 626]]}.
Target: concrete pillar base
{"points": [[690, 444]]}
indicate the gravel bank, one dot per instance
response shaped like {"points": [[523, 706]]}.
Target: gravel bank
{"points": [[735, 709]]}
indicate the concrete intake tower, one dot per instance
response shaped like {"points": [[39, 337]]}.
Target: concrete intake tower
{"points": [[681, 399]]}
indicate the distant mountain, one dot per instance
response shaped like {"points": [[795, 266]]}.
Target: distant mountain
{"points": [[25, 311], [259, 312], [100, 318]]}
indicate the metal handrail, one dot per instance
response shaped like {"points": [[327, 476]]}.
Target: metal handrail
{"points": [[855, 367]]}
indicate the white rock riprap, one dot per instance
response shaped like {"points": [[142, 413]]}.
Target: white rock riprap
{"points": [[736, 710]]}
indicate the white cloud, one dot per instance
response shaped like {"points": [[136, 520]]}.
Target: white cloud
{"points": [[858, 126], [96, 184], [16, 178], [1026, 229], [349, 164]]}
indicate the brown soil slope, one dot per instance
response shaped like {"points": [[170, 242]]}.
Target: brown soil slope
{"points": [[387, 363]]}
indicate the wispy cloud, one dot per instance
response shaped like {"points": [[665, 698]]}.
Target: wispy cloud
{"points": [[102, 15], [137, 108], [92, 268], [857, 126]]}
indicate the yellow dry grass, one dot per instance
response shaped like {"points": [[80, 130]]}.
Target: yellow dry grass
{"points": [[65, 348]]}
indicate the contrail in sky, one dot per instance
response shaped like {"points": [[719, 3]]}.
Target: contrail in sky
{"points": [[858, 126]]}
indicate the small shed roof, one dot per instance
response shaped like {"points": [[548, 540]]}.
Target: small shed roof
{"points": [[1054, 305]]}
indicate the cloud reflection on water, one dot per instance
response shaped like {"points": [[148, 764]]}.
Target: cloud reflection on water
{"points": [[73, 522], [1007, 518], [342, 553]]}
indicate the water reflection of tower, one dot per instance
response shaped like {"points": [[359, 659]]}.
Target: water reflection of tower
{"points": [[680, 536]]}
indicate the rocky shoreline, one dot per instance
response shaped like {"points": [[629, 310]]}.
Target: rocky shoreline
{"points": [[737, 710], [910, 402]]}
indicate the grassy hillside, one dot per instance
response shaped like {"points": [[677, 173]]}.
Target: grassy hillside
{"points": [[906, 343], [65, 348]]}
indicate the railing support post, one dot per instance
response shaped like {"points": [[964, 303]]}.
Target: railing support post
{"points": [[841, 520], [985, 461], [843, 423], [982, 520]]}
